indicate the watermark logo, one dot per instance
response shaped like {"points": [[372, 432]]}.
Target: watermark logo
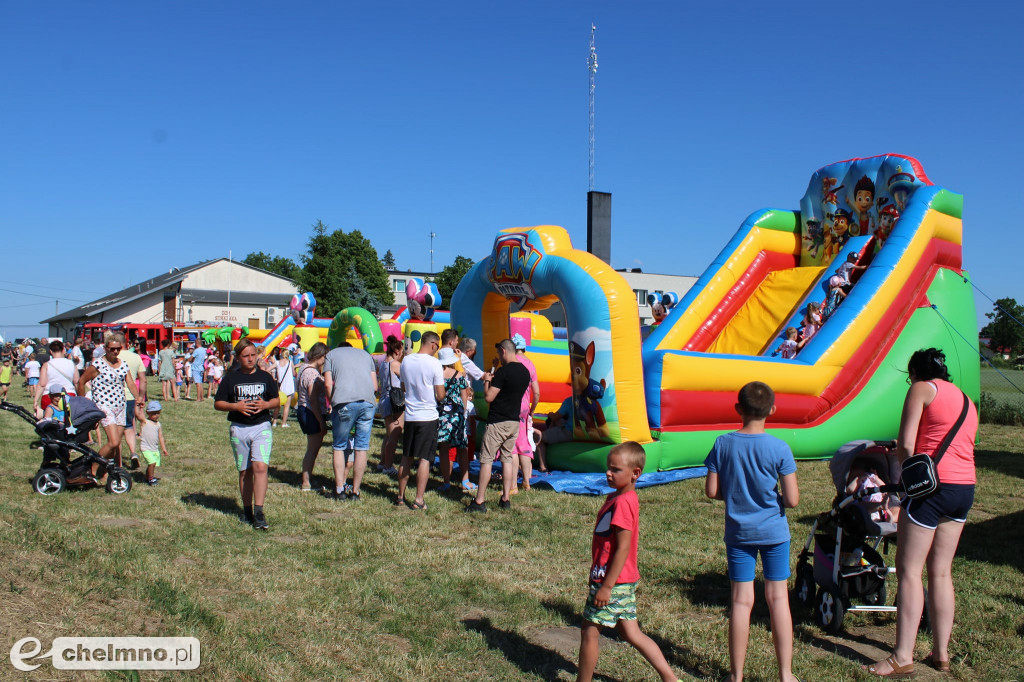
{"points": [[109, 653]]}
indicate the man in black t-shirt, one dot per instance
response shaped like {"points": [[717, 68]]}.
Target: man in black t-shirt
{"points": [[503, 390]]}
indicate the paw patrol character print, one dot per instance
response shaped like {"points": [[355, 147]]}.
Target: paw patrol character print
{"points": [[887, 217], [815, 236], [830, 194], [901, 186], [840, 234], [588, 415], [863, 201]]}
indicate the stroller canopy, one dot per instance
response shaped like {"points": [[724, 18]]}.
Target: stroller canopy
{"points": [[886, 465]]}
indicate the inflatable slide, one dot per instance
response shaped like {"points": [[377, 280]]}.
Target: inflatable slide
{"points": [[675, 391]]}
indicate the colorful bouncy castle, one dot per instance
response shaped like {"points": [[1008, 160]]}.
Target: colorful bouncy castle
{"points": [[675, 391]]}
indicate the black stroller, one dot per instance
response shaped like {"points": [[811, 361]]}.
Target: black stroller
{"points": [[60, 438], [845, 564]]}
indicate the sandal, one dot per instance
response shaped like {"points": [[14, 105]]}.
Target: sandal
{"points": [[941, 666], [470, 487], [898, 671], [421, 506]]}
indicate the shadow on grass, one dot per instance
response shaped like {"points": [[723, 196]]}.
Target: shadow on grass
{"points": [[677, 655], [1008, 463], [995, 541], [809, 634], [527, 656], [707, 589], [221, 503], [287, 476]]}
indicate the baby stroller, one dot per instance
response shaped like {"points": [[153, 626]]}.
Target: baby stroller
{"points": [[845, 564], [60, 438]]}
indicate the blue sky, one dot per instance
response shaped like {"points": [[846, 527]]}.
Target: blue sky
{"points": [[142, 136]]}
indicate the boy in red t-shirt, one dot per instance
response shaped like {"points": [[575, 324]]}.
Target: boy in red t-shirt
{"points": [[613, 573]]}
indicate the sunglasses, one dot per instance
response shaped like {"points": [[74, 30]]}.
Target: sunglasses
{"points": [[113, 349]]}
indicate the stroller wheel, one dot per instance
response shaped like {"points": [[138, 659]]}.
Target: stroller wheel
{"points": [[119, 481], [803, 590], [49, 481], [876, 597], [830, 610]]}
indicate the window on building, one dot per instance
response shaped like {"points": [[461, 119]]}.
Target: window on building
{"points": [[399, 285], [641, 296]]}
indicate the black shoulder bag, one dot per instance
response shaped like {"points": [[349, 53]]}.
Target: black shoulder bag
{"points": [[920, 475], [395, 394]]}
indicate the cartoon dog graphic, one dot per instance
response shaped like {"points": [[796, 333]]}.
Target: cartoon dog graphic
{"points": [[588, 416]]}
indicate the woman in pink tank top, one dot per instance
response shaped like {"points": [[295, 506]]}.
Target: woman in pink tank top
{"points": [[929, 529]]}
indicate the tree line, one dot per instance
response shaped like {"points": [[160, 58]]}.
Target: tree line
{"points": [[343, 269]]}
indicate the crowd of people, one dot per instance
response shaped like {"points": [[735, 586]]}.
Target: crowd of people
{"points": [[425, 400]]}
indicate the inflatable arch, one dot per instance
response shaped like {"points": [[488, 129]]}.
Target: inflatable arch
{"points": [[534, 268], [363, 323]]}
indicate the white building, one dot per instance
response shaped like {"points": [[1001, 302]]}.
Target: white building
{"points": [[210, 293]]}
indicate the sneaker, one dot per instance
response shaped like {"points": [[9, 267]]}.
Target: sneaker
{"points": [[286, 426], [135, 461], [354, 497], [339, 497], [505, 504], [390, 471], [474, 507], [444, 487], [348, 490], [247, 517], [153, 481], [259, 521]]}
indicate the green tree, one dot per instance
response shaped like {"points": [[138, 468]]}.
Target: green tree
{"points": [[360, 295], [328, 262], [279, 265], [448, 279], [1005, 333], [388, 260]]}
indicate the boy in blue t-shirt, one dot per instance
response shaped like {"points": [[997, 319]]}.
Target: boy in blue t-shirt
{"points": [[746, 469]]}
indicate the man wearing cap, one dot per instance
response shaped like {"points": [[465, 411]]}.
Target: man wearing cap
{"points": [[504, 388], [350, 379], [423, 384]]}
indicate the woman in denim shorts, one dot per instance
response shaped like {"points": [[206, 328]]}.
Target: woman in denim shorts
{"points": [[929, 528]]}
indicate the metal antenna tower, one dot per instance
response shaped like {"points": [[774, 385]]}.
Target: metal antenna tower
{"points": [[592, 67]]}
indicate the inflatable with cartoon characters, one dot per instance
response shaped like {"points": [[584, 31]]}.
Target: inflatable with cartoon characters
{"points": [[674, 391]]}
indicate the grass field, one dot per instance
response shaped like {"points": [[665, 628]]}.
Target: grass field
{"points": [[367, 591], [995, 382]]}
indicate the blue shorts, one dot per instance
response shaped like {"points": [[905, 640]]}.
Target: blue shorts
{"points": [[197, 377], [33, 381], [952, 501], [308, 422], [743, 561], [345, 417]]}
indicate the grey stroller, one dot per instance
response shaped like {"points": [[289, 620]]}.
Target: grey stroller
{"points": [[845, 566]]}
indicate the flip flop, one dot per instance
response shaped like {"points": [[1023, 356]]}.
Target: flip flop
{"points": [[421, 506], [470, 487]]}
